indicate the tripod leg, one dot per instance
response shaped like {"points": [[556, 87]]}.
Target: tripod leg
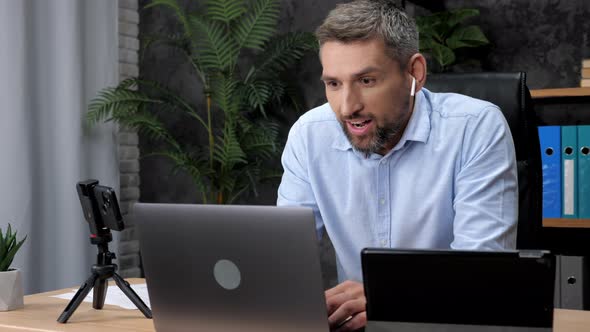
{"points": [[100, 293], [126, 288], [77, 299]]}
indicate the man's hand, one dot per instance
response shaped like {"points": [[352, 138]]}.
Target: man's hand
{"points": [[346, 303]]}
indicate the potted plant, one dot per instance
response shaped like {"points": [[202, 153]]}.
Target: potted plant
{"points": [[11, 285], [443, 35], [233, 50]]}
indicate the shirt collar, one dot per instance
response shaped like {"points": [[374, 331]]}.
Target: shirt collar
{"points": [[340, 142], [418, 128]]}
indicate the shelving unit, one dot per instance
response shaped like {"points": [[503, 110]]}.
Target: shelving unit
{"points": [[559, 96], [566, 223], [559, 93]]}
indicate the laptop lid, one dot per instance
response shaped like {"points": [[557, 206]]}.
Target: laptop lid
{"points": [[452, 290], [225, 268]]}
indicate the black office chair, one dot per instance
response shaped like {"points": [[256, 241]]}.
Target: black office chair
{"points": [[510, 93]]}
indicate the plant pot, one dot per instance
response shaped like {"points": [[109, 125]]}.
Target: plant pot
{"points": [[11, 290]]}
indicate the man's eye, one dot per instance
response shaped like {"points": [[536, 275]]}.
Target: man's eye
{"points": [[331, 84], [367, 81]]}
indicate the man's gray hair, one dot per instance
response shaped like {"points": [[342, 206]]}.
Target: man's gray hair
{"points": [[366, 19]]}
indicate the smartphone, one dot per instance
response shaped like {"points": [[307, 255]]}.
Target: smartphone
{"points": [[108, 207], [100, 207]]}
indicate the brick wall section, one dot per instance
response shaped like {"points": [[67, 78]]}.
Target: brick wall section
{"points": [[128, 259]]}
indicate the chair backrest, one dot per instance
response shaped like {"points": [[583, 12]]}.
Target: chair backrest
{"points": [[509, 92]]}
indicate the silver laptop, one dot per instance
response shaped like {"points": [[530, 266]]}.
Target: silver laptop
{"points": [[459, 291], [222, 268]]}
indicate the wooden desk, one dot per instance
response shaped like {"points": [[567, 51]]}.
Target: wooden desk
{"points": [[41, 311], [571, 320]]}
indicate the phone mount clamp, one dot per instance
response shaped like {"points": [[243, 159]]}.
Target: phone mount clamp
{"points": [[101, 210]]}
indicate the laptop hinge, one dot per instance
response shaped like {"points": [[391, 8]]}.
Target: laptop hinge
{"points": [[532, 253]]}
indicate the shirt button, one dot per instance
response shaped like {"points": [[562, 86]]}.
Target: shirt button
{"points": [[382, 201], [384, 243]]}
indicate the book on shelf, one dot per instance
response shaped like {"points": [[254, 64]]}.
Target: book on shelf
{"points": [[585, 73]]}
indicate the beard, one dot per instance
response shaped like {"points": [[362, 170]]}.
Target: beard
{"points": [[384, 134], [381, 137]]}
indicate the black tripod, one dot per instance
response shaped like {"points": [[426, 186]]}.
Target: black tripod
{"points": [[101, 271]]}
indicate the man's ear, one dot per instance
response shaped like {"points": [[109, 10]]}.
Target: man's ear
{"points": [[417, 69]]}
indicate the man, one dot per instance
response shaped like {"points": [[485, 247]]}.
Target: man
{"points": [[387, 163]]}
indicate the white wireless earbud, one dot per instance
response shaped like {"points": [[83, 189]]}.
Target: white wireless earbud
{"points": [[413, 90]]}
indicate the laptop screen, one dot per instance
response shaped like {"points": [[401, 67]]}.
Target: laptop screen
{"points": [[220, 268], [459, 287]]}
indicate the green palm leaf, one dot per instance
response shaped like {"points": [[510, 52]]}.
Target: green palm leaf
{"points": [[235, 157], [278, 89], [249, 178], [228, 151], [112, 102], [225, 10], [282, 52], [148, 124], [168, 97], [243, 124], [225, 92], [255, 29], [215, 47], [261, 141], [227, 183], [258, 93], [130, 83]]}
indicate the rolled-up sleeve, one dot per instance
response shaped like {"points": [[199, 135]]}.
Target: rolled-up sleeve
{"points": [[486, 187]]}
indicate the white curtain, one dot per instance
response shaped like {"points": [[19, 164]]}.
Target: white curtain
{"points": [[54, 56]]}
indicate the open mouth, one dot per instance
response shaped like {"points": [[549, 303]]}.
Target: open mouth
{"points": [[360, 124], [359, 127]]}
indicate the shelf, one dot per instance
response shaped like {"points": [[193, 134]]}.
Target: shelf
{"points": [[566, 223], [562, 92]]}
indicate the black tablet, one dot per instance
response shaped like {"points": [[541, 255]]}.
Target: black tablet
{"points": [[460, 288]]}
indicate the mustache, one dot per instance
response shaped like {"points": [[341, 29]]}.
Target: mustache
{"points": [[355, 116]]}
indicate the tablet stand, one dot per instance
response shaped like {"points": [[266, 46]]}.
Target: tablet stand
{"points": [[101, 271]]}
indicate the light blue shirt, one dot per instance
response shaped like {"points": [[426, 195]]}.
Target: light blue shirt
{"points": [[450, 182]]}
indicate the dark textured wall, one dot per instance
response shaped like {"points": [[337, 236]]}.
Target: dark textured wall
{"points": [[545, 38]]}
